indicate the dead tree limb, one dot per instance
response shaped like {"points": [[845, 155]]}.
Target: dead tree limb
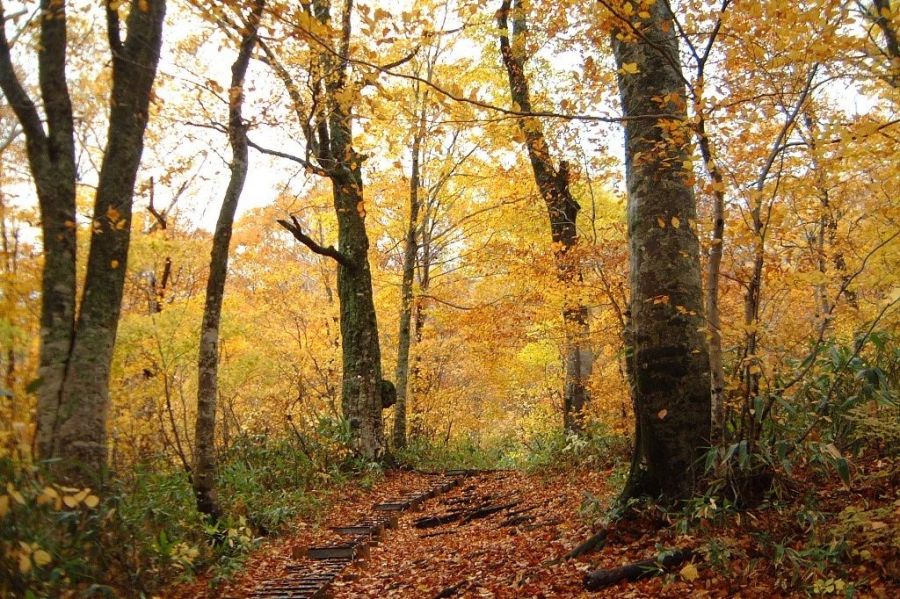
{"points": [[595, 542], [297, 231], [598, 579]]}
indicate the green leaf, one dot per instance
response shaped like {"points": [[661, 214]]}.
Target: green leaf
{"points": [[843, 469], [35, 385]]}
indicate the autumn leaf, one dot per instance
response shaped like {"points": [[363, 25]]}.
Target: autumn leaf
{"points": [[41, 558], [689, 572]]}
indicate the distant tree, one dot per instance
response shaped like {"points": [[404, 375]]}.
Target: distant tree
{"points": [[562, 210]]}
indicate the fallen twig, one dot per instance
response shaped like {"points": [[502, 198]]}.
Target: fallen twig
{"points": [[599, 579]]}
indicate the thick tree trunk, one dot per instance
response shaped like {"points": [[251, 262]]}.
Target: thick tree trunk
{"points": [[562, 209], [361, 397], [75, 356], [404, 336], [362, 382], [204, 470], [81, 438], [330, 142], [668, 350]]}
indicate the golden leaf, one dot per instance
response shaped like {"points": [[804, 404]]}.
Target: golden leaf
{"points": [[14, 494], [689, 573], [24, 563], [41, 558]]}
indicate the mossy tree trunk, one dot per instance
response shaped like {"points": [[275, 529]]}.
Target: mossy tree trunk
{"points": [[668, 358], [330, 141], [51, 158], [204, 469], [76, 351], [562, 209]]}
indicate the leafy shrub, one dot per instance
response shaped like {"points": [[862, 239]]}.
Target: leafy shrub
{"points": [[464, 453], [556, 450], [143, 533]]}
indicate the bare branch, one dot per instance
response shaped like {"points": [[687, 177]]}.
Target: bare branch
{"points": [[296, 230], [292, 157]]}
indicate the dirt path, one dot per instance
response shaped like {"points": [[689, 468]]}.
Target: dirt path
{"points": [[487, 538], [499, 534]]}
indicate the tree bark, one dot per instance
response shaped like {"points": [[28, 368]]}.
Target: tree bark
{"points": [[562, 209], [76, 354], [204, 470], [668, 354]]}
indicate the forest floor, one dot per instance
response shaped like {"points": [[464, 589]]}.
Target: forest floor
{"points": [[517, 550]]}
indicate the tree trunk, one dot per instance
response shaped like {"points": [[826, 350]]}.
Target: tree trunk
{"points": [[668, 351], [410, 249], [81, 435], [204, 470], [562, 209], [361, 395], [75, 355], [714, 256], [329, 138], [361, 390], [51, 157]]}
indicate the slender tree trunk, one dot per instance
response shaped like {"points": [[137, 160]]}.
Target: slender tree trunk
{"points": [[668, 354], [714, 264], [410, 249], [204, 470], [51, 157], [562, 209], [750, 366]]}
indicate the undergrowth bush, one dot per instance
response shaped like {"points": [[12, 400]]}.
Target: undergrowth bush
{"points": [[143, 532], [545, 450], [461, 454], [555, 450]]}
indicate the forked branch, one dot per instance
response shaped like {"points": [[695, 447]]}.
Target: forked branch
{"points": [[297, 231]]}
